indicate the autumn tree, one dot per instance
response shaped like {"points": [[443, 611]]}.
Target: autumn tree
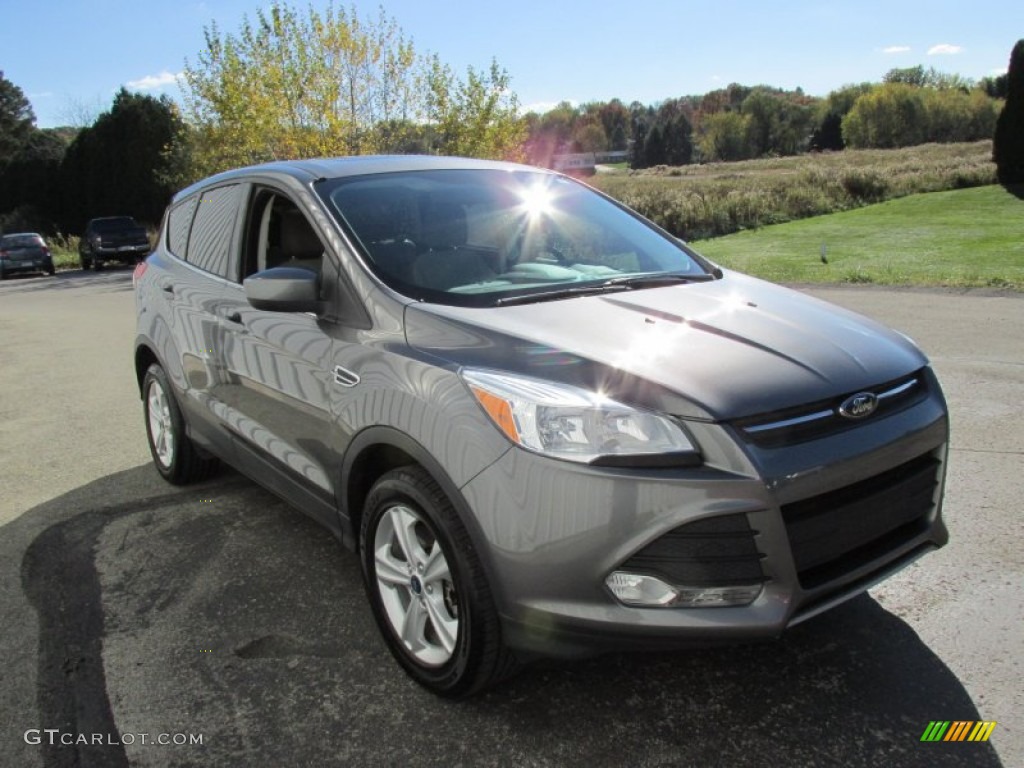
{"points": [[474, 117], [829, 114], [889, 116], [1008, 142], [293, 84], [723, 136]]}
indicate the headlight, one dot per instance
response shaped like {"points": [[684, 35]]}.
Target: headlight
{"points": [[579, 425]]}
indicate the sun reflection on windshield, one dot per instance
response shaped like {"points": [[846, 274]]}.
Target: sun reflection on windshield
{"points": [[537, 200]]}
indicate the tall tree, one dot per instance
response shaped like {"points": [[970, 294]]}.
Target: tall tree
{"points": [[125, 163], [16, 119], [1008, 142]]}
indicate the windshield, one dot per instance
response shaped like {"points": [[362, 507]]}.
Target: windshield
{"points": [[478, 237], [118, 224], [21, 241]]}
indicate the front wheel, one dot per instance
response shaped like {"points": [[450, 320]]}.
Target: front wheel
{"points": [[174, 454], [427, 587]]}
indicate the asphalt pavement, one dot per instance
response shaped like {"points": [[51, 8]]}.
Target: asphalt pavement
{"points": [[135, 611]]}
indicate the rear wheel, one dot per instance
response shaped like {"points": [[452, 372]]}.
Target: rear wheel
{"points": [[174, 454], [84, 262], [427, 587]]}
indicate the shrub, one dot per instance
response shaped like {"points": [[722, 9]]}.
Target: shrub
{"points": [[1008, 144]]}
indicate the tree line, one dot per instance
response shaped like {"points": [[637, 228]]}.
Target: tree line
{"points": [[306, 83], [910, 106]]}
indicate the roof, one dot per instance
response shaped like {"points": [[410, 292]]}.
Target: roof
{"points": [[335, 167]]}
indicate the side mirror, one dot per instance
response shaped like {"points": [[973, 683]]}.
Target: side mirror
{"points": [[284, 289]]}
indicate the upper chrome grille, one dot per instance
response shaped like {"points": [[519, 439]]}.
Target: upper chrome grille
{"points": [[822, 418]]}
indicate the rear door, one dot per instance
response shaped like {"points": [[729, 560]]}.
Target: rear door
{"points": [[202, 232]]}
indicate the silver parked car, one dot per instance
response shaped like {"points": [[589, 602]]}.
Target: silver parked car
{"points": [[547, 427]]}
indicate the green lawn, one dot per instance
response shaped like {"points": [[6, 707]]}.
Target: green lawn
{"points": [[965, 238]]}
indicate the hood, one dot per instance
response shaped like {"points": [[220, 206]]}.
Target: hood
{"points": [[731, 348]]}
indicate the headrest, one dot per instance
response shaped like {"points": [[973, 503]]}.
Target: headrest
{"points": [[445, 226], [298, 240]]}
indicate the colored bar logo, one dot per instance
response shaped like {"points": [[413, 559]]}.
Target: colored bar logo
{"points": [[958, 730]]}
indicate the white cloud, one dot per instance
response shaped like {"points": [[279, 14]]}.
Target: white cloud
{"points": [[154, 82], [540, 107], [998, 72], [897, 49], [945, 49]]}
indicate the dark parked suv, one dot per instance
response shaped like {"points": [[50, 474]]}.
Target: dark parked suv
{"points": [[112, 238], [547, 427]]}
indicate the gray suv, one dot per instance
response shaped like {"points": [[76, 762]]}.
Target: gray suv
{"points": [[546, 427]]}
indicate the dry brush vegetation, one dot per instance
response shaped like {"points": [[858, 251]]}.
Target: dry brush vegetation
{"points": [[701, 201]]}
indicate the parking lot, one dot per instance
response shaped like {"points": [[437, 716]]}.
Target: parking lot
{"points": [[131, 607]]}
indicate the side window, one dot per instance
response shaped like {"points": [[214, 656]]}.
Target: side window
{"points": [[209, 244], [278, 234], [179, 219]]}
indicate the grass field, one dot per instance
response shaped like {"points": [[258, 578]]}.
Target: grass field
{"points": [[963, 238]]}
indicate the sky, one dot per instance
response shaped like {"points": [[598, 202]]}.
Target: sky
{"points": [[71, 56]]}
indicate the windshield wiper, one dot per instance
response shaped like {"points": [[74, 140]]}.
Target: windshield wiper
{"points": [[653, 281], [624, 283]]}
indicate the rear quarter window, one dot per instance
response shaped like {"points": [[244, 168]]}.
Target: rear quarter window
{"points": [[209, 242], [179, 219]]}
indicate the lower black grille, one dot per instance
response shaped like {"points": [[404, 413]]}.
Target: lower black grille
{"points": [[837, 532], [716, 551]]}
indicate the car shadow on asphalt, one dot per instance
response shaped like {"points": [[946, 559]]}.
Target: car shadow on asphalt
{"points": [[218, 610], [112, 278]]}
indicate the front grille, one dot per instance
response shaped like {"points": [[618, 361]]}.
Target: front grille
{"points": [[715, 551], [840, 531], [822, 418]]}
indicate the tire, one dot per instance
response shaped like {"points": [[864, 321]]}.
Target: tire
{"points": [[97, 265], [176, 457], [51, 270], [431, 581], [85, 263]]}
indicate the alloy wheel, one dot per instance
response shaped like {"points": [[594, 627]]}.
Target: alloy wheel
{"points": [[161, 426], [417, 588]]}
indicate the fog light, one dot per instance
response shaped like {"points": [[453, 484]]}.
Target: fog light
{"points": [[642, 589], [636, 589]]}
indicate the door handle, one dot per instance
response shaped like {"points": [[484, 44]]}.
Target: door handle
{"points": [[168, 288]]}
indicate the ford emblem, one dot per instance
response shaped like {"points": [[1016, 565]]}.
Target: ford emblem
{"points": [[859, 406]]}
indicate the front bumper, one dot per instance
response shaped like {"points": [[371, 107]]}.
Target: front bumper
{"points": [[122, 253], [553, 531]]}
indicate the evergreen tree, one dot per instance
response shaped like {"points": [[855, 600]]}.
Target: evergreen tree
{"points": [[123, 165], [17, 122], [1008, 142]]}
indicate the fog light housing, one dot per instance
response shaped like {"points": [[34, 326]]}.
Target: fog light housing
{"points": [[640, 589]]}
